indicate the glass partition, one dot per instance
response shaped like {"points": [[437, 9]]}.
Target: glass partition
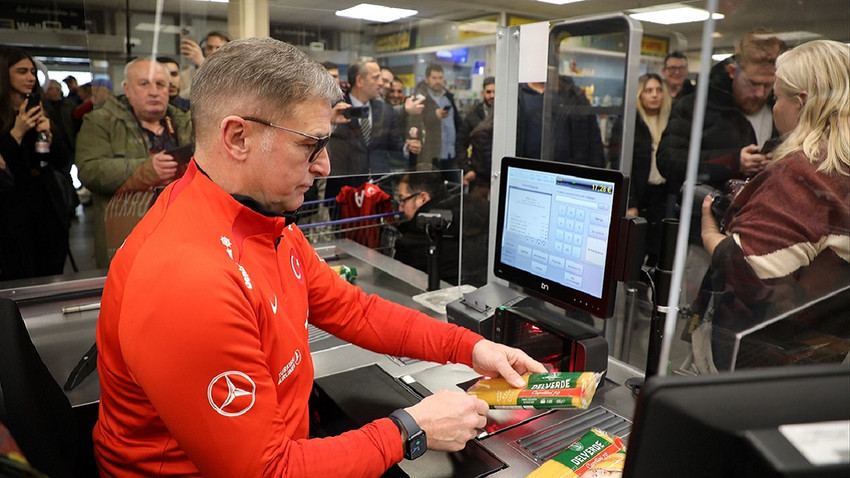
{"points": [[716, 305]]}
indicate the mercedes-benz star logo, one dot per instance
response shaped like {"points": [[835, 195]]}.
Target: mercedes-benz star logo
{"points": [[231, 393]]}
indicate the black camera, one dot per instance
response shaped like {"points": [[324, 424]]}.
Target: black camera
{"points": [[721, 201], [356, 112], [436, 220]]}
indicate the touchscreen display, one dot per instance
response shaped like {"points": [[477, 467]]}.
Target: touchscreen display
{"points": [[557, 227], [557, 231]]}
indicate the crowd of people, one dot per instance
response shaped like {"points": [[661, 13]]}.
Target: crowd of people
{"points": [[128, 148]]}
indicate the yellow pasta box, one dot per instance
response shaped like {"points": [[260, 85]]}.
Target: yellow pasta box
{"points": [[541, 391], [594, 451]]}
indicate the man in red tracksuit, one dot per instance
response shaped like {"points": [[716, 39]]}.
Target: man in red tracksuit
{"points": [[204, 362]]}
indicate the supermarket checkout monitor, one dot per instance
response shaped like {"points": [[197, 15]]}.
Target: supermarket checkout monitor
{"points": [[556, 235], [789, 421]]}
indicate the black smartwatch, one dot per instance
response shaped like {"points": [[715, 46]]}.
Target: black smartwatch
{"points": [[415, 445]]}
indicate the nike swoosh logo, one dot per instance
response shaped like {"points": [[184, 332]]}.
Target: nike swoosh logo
{"points": [[274, 305]]}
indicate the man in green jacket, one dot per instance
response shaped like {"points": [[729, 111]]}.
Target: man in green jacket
{"points": [[122, 153]]}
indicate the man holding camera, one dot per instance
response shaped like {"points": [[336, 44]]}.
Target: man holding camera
{"points": [[369, 140]]}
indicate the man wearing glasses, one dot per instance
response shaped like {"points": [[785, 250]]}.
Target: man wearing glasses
{"points": [[369, 140], [738, 117], [204, 361], [675, 73]]}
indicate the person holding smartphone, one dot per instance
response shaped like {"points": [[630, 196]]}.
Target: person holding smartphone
{"points": [[33, 216], [122, 152], [439, 122]]}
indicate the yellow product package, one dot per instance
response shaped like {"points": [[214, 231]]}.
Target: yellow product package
{"points": [[542, 391], [595, 454]]}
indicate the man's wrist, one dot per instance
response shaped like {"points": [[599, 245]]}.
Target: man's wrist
{"points": [[413, 437]]}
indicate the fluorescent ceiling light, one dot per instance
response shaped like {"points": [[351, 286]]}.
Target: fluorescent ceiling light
{"points": [[560, 2], [672, 14], [149, 27], [720, 56], [375, 13]]}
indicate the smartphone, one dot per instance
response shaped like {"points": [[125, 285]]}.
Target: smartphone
{"points": [[33, 99], [770, 145], [182, 154], [446, 108], [185, 31], [355, 112]]}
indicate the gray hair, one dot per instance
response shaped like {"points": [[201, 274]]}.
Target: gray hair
{"points": [[257, 77], [153, 62]]}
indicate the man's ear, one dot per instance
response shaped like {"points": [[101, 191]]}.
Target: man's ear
{"points": [[730, 69], [233, 136], [426, 195]]}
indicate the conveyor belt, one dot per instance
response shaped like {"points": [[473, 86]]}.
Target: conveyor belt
{"points": [[548, 442]]}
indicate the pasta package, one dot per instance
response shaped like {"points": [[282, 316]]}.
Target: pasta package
{"points": [[541, 391], [596, 454]]}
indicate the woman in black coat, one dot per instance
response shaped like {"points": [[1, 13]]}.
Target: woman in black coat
{"points": [[34, 219]]}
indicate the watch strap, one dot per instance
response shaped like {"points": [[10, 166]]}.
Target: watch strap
{"points": [[415, 445]]}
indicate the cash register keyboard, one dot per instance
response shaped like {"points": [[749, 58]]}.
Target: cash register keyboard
{"points": [[548, 442]]}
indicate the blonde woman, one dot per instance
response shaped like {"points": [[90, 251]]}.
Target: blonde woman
{"points": [[648, 196], [787, 238]]}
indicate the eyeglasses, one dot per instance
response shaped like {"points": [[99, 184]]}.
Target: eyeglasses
{"points": [[320, 142], [676, 68], [402, 200]]}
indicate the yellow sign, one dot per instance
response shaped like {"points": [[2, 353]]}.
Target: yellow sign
{"points": [[407, 79], [393, 42], [654, 45]]}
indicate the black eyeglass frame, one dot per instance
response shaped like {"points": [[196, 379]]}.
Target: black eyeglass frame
{"points": [[321, 143], [408, 198]]}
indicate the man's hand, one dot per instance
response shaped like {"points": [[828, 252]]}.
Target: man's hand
{"points": [[441, 113], [498, 360], [191, 51], [752, 162], [414, 106], [165, 166], [468, 177], [337, 116], [414, 146], [711, 235], [449, 419]]}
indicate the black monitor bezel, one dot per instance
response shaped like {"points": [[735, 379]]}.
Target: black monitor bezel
{"points": [[552, 292]]}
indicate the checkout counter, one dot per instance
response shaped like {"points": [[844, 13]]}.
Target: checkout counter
{"points": [[61, 321]]}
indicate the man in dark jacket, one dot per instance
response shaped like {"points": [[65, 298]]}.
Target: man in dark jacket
{"points": [[425, 192], [478, 113], [440, 120], [371, 141], [738, 117]]}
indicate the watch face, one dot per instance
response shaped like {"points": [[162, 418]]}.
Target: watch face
{"points": [[416, 445]]}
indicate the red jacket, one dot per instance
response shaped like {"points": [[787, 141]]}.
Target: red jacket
{"points": [[203, 357]]}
